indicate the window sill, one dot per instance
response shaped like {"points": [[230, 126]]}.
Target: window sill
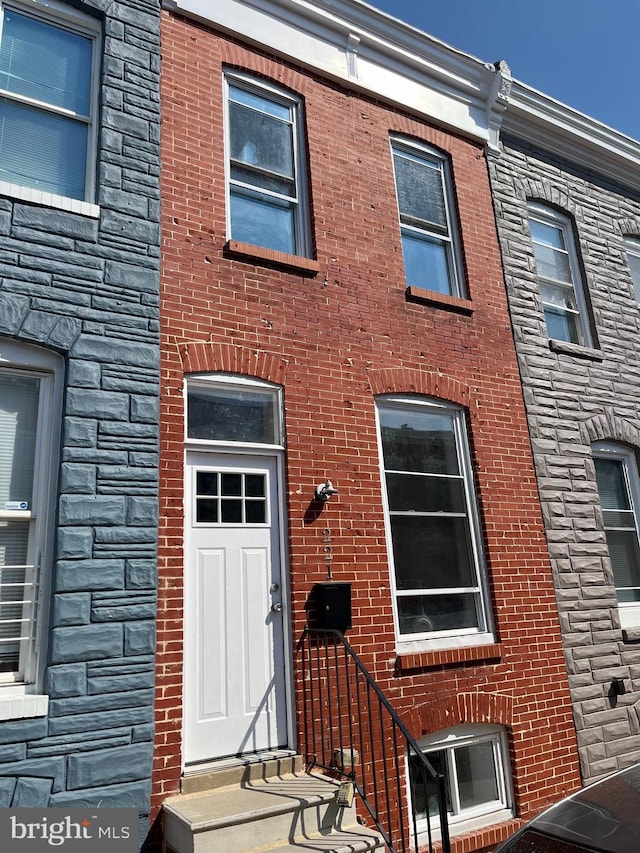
{"points": [[483, 838], [439, 300], [23, 706], [72, 205], [576, 349], [406, 661], [306, 266]]}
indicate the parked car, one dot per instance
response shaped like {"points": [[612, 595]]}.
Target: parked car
{"points": [[601, 818]]}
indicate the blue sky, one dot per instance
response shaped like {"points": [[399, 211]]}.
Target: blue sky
{"points": [[585, 53]]}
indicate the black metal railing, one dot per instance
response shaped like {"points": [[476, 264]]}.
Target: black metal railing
{"points": [[351, 731]]}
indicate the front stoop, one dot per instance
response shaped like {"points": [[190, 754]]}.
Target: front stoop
{"points": [[285, 813]]}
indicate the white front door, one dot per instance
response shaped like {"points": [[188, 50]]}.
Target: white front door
{"points": [[235, 693]]}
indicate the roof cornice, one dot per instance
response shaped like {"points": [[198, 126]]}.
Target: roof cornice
{"points": [[537, 118], [370, 51]]}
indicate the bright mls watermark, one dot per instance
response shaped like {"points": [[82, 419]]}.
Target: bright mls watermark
{"points": [[69, 830]]}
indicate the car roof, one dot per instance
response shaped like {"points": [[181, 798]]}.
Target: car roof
{"points": [[604, 816]]}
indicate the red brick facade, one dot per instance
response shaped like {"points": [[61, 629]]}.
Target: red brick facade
{"points": [[335, 332]]}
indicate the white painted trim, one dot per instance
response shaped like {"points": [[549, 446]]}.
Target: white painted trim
{"points": [[539, 119], [368, 50], [72, 205], [470, 819], [482, 634], [16, 356], [73, 20], [23, 707]]}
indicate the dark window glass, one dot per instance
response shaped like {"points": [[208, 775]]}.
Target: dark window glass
{"points": [[230, 414], [620, 526], [431, 534], [207, 511]]}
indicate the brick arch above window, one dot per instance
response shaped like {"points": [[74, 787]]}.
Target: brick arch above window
{"points": [[234, 58], [609, 426], [404, 380], [443, 713], [209, 357]]}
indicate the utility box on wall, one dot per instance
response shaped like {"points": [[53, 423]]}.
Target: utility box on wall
{"points": [[332, 606]]}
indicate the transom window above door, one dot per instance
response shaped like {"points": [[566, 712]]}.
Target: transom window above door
{"points": [[223, 408]]}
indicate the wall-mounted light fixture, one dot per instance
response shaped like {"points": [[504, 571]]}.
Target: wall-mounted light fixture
{"points": [[324, 491]]}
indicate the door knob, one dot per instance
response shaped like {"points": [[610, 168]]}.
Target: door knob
{"points": [[276, 607]]}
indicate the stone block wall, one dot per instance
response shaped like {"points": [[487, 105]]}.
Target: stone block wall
{"points": [[575, 396], [87, 288]]}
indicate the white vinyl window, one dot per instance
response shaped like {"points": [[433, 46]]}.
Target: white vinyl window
{"points": [[432, 524], [561, 287], [30, 389], [228, 409], [265, 167], [632, 246], [48, 100], [619, 490], [474, 761], [427, 220]]}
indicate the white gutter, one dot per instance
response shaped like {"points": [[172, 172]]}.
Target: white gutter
{"points": [[535, 117]]}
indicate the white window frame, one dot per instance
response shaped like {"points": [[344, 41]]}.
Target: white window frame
{"points": [[554, 219], [483, 633], [58, 14], [451, 239], [235, 382], [632, 248], [629, 610], [300, 204], [21, 693], [467, 820]]}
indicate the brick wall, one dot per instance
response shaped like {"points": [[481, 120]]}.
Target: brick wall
{"points": [[574, 399], [335, 339], [88, 289]]}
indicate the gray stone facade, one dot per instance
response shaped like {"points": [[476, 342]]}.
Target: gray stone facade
{"points": [[87, 288], [575, 396]]}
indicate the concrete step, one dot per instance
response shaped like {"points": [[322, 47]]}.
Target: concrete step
{"points": [[242, 771], [361, 840], [278, 814]]}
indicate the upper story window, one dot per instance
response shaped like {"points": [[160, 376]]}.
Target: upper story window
{"points": [[30, 391], [228, 408], [434, 540], [619, 490], [427, 222], [474, 761], [561, 287], [632, 246], [48, 100], [265, 171]]}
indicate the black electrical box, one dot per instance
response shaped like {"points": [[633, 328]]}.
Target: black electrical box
{"points": [[332, 606]]}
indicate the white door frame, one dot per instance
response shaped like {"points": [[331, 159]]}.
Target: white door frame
{"points": [[240, 450]]}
